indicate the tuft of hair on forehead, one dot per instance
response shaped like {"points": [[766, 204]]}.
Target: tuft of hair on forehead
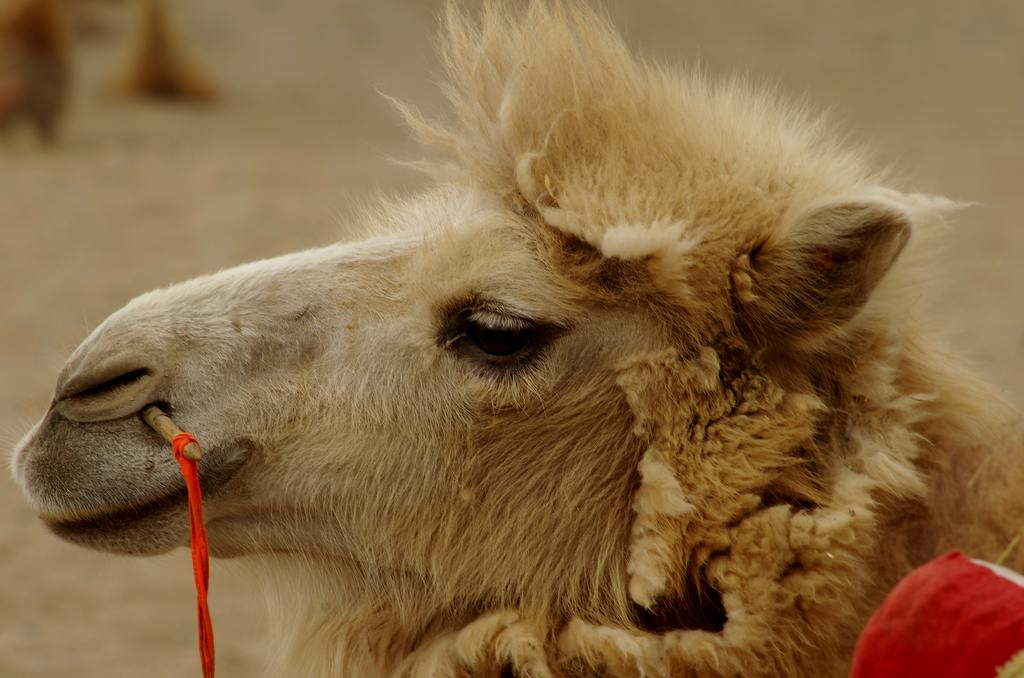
{"points": [[553, 114]]}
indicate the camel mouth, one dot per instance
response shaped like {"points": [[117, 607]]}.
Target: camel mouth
{"points": [[118, 520], [155, 524]]}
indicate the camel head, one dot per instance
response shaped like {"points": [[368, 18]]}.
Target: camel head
{"points": [[358, 397], [638, 313]]}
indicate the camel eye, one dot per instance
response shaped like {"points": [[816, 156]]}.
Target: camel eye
{"points": [[497, 340]]}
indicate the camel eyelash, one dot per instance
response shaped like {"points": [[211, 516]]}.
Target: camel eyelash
{"points": [[503, 321], [496, 338]]}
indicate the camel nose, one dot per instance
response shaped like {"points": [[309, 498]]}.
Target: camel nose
{"points": [[107, 389]]}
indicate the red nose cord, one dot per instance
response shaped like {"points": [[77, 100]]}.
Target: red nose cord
{"points": [[188, 453]]}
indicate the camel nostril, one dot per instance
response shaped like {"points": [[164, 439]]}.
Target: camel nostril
{"points": [[110, 390], [110, 385]]}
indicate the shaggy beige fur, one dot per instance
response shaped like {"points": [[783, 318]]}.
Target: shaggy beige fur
{"points": [[789, 473], [733, 437]]}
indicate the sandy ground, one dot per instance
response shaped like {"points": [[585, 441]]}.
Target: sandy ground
{"points": [[138, 196]]}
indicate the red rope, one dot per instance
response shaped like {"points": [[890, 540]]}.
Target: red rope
{"points": [[200, 551]]}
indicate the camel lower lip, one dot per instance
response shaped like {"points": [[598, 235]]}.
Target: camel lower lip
{"points": [[124, 525], [118, 518]]}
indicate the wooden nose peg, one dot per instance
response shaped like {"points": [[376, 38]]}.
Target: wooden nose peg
{"points": [[159, 421]]}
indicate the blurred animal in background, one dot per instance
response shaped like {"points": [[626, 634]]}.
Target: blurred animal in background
{"points": [[88, 19], [34, 67], [159, 66]]}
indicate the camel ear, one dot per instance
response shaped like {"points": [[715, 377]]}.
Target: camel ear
{"points": [[818, 276]]}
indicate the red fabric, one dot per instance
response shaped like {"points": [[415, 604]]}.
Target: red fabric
{"points": [[950, 617], [200, 550]]}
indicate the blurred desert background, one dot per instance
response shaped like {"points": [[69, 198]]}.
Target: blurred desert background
{"points": [[137, 194]]}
